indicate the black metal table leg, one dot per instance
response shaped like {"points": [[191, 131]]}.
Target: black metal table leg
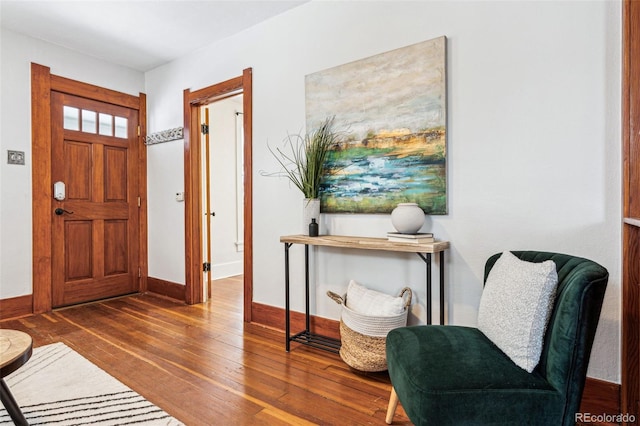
{"points": [[11, 405], [429, 295], [427, 260], [306, 287], [306, 337], [442, 287], [287, 323]]}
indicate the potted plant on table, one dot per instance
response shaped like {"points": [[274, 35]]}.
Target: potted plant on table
{"points": [[303, 159]]}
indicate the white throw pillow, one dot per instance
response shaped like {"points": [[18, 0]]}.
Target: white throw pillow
{"points": [[370, 302], [516, 305]]}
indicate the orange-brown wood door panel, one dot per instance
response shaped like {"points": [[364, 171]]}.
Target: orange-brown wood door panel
{"points": [[95, 228]]}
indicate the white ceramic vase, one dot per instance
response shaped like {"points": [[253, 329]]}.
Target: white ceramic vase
{"points": [[407, 218], [310, 210]]}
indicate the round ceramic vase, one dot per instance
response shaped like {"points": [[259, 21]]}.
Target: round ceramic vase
{"points": [[407, 218]]}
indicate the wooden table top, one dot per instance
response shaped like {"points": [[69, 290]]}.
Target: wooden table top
{"points": [[366, 243], [15, 350]]}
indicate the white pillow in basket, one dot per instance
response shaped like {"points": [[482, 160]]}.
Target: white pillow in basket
{"points": [[516, 305], [370, 302]]}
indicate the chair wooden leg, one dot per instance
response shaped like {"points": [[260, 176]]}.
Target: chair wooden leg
{"points": [[393, 404]]}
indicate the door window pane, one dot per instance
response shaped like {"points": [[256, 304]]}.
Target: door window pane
{"points": [[106, 124], [95, 122], [121, 127], [71, 118], [89, 121]]}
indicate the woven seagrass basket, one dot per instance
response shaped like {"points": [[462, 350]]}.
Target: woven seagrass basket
{"points": [[363, 337]]}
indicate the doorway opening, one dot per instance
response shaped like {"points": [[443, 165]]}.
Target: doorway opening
{"points": [[196, 291], [223, 192]]}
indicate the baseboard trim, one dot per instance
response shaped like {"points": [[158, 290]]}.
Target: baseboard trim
{"points": [[16, 307], [166, 288], [599, 396], [273, 317], [226, 270], [21, 306]]}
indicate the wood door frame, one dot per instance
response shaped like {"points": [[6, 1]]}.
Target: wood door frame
{"points": [[193, 101], [42, 84], [630, 368]]}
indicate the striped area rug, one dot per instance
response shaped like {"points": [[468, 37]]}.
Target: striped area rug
{"points": [[58, 386]]}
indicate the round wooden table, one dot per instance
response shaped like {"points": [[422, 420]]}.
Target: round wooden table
{"points": [[15, 350]]}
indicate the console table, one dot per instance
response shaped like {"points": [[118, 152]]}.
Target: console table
{"points": [[424, 251]]}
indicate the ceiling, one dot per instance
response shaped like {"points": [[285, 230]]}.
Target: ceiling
{"points": [[140, 34]]}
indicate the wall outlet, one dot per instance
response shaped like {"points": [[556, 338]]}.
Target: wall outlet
{"points": [[15, 157]]}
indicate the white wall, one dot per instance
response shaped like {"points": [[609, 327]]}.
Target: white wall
{"points": [[17, 52], [533, 149]]}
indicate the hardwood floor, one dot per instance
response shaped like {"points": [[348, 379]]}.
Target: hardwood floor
{"points": [[204, 366]]}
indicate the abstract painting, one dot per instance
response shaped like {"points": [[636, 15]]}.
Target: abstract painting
{"points": [[391, 111]]}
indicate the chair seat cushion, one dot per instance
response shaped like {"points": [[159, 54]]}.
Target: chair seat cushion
{"points": [[433, 386]]}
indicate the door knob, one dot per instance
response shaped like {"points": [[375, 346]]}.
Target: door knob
{"points": [[60, 211]]}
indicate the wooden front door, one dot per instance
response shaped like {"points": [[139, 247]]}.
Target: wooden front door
{"points": [[95, 222]]}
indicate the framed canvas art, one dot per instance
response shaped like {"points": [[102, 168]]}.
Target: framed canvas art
{"points": [[391, 109]]}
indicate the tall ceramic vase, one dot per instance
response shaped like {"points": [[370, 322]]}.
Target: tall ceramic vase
{"points": [[310, 210]]}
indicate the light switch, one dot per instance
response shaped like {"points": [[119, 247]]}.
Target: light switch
{"points": [[179, 196]]}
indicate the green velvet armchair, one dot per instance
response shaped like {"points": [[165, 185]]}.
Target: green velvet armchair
{"points": [[455, 375]]}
